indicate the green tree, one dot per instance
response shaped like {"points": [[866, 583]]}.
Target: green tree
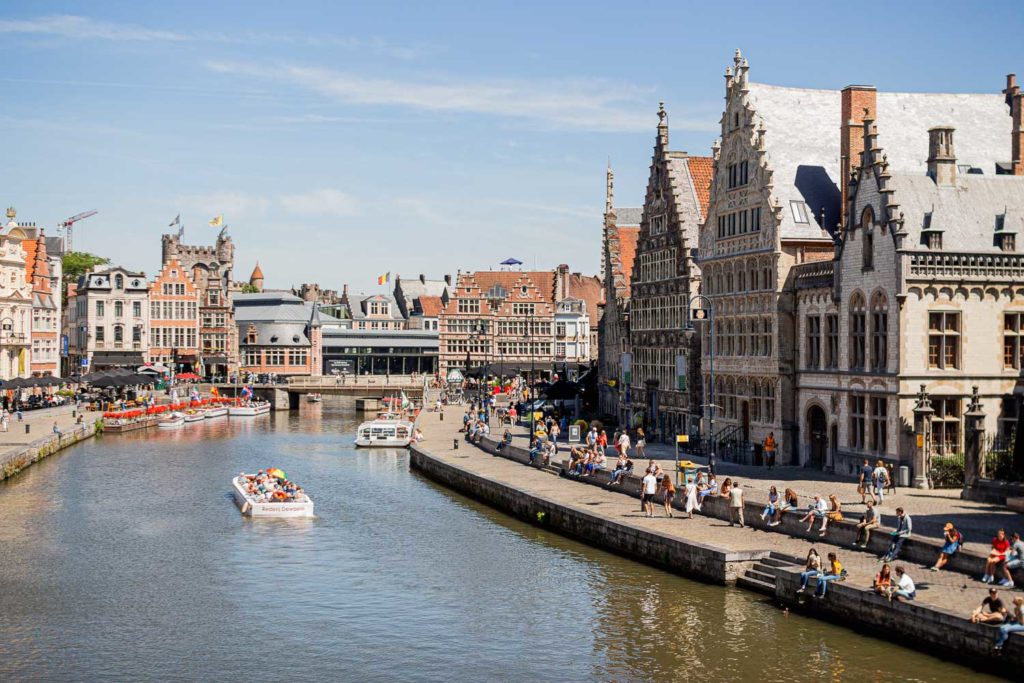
{"points": [[250, 289], [77, 263]]}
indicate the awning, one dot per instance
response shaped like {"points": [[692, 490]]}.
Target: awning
{"points": [[117, 359], [214, 360]]}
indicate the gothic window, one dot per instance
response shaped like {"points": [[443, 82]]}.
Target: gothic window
{"points": [[946, 426], [1013, 348], [879, 332], [944, 339], [755, 403], [832, 341], [766, 327], [813, 359], [856, 438], [730, 399], [867, 220], [858, 323], [879, 423], [768, 414]]}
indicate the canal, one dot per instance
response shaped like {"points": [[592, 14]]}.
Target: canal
{"points": [[124, 558]]}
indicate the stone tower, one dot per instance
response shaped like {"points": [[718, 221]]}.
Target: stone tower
{"points": [[256, 279]]}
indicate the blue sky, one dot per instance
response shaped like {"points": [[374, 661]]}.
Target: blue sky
{"points": [[342, 140]]}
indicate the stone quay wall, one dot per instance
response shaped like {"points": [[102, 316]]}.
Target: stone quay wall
{"points": [[922, 627], [15, 461], [695, 560]]}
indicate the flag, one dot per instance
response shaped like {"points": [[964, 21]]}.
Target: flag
{"points": [[217, 221], [181, 232], [176, 221], [383, 279]]}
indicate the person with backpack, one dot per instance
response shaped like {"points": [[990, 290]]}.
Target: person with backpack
{"points": [[953, 541]]}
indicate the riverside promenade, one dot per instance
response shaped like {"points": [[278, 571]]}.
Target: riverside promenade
{"points": [[708, 548], [20, 448]]}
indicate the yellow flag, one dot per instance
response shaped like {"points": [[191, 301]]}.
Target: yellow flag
{"points": [[217, 221]]}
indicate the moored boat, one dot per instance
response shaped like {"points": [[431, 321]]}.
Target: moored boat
{"points": [[251, 505], [218, 411], [249, 409], [384, 433], [171, 421], [195, 415], [314, 398]]}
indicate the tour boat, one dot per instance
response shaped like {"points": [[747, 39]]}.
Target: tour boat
{"points": [[171, 421], [249, 410], [252, 507], [195, 415], [218, 411], [384, 433], [314, 398]]}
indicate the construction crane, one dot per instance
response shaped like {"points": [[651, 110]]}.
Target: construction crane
{"points": [[68, 227]]}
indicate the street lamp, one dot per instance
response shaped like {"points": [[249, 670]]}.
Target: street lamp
{"points": [[707, 315], [923, 412], [533, 369]]}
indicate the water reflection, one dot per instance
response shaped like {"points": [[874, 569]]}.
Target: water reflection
{"points": [[126, 558]]}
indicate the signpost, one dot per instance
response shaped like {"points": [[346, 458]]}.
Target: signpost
{"points": [[680, 438], [574, 433]]}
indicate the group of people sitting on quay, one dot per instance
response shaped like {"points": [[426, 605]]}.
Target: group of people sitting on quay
{"points": [[267, 487]]}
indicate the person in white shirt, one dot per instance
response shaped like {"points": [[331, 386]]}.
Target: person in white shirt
{"points": [[624, 443], [905, 588], [650, 487]]}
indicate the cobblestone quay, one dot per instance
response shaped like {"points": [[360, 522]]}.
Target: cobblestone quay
{"points": [[708, 548]]}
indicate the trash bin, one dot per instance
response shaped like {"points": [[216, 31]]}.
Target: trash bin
{"points": [[903, 478], [758, 454]]}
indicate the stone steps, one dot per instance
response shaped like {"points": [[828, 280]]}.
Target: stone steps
{"points": [[747, 581], [761, 577]]}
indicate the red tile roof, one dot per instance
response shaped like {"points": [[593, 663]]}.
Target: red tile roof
{"points": [[627, 237], [430, 306], [590, 289], [701, 170], [30, 259]]}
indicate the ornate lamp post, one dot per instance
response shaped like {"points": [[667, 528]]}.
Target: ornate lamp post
{"points": [[974, 423], [707, 315], [923, 412]]}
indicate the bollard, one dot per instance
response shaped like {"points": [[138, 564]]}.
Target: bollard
{"points": [[442, 416], [455, 444], [28, 428], [74, 413]]}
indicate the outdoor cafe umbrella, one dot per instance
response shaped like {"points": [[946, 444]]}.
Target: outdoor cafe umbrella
{"points": [[16, 383]]}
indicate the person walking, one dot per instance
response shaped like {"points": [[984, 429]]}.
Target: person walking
{"points": [[879, 481], [641, 442], [691, 503], [668, 491], [864, 482], [623, 443], [770, 446], [735, 504], [5, 420], [648, 490]]}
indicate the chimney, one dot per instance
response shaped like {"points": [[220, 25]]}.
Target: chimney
{"points": [[941, 156], [1015, 100], [562, 281], [448, 280], [858, 102]]}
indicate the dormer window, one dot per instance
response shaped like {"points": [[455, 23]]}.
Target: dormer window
{"points": [[799, 210], [931, 236], [118, 282]]}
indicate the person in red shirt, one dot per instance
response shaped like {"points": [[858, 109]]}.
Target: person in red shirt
{"points": [[1000, 545]]}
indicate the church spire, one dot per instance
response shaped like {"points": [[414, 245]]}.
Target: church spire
{"points": [[609, 185]]}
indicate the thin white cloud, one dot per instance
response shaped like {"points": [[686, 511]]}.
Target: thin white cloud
{"points": [[234, 206], [591, 105], [322, 202], [76, 27], [82, 28]]}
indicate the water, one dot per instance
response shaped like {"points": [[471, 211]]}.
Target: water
{"points": [[124, 558]]}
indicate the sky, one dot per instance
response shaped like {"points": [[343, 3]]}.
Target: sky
{"points": [[343, 140]]}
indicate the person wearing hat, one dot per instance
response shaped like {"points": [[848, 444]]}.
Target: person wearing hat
{"points": [[952, 540], [991, 611]]}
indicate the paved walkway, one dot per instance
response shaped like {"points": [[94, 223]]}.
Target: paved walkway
{"points": [[929, 509], [40, 424], [947, 590]]}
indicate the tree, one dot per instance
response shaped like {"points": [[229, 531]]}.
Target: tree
{"points": [[77, 263], [250, 289]]}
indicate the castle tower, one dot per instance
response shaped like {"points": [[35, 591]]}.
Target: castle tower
{"points": [[256, 279], [316, 366]]}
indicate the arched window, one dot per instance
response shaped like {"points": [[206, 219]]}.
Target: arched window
{"points": [[118, 333], [867, 221], [768, 413], [879, 332], [118, 282], [755, 401], [858, 331], [730, 398]]}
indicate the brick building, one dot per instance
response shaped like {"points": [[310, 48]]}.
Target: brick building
{"points": [[211, 269], [174, 318], [278, 333], [46, 323], [665, 277], [618, 249]]}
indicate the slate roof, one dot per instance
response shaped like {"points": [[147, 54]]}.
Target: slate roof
{"points": [[803, 142], [275, 307], [273, 333], [630, 215], [358, 306], [965, 213]]}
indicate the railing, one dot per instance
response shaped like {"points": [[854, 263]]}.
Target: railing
{"points": [[357, 381], [813, 274], [965, 265]]}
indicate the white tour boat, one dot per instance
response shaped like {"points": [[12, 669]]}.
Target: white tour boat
{"points": [[218, 411], [171, 421], [249, 409], [385, 432], [314, 398], [195, 415], [252, 507]]}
